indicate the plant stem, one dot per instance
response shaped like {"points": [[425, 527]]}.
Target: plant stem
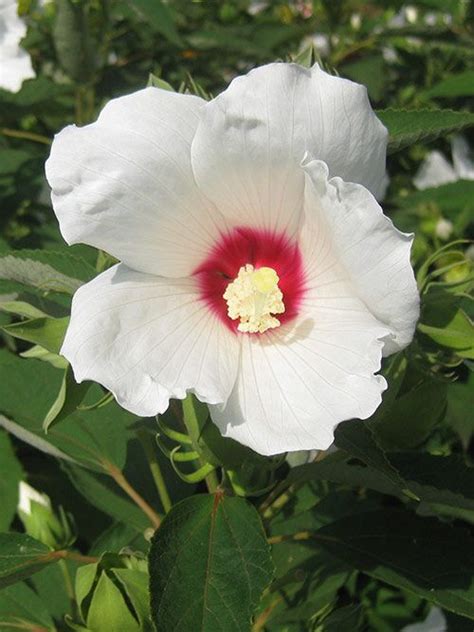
{"points": [[294, 537], [155, 469], [212, 482], [18, 133], [261, 620], [76, 557], [68, 585], [122, 482]]}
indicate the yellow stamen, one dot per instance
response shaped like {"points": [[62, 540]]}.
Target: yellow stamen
{"points": [[254, 297]]}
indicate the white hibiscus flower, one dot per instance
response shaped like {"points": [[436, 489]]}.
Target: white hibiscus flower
{"points": [[15, 63], [258, 270], [435, 170]]}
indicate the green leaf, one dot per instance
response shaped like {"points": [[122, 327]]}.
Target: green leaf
{"points": [[135, 584], [68, 399], [369, 71], [346, 618], [97, 491], [344, 469], [458, 334], [445, 481], [92, 438], [209, 564], [46, 332], [108, 610], [19, 601], [413, 415], [421, 555], [21, 556], [407, 127], [357, 440], [12, 474], [460, 85], [305, 57], [21, 308], [12, 159], [75, 48], [450, 198], [159, 17], [157, 82], [45, 270], [458, 414]]}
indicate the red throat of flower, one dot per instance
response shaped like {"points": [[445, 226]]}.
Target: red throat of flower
{"points": [[264, 260]]}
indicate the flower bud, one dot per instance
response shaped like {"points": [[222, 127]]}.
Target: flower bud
{"points": [[41, 521]]}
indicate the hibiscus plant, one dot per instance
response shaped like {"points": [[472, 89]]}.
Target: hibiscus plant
{"points": [[236, 342]]}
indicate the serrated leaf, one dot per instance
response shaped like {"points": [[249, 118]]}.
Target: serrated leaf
{"points": [[209, 564], [47, 271], [407, 127], [21, 556], [421, 555]]}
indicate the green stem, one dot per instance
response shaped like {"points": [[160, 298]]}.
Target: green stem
{"points": [[212, 482], [68, 585], [155, 469], [122, 482], [18, 133]]}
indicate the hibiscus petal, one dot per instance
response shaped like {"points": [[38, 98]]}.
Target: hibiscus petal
{"points": [[125, 184], [252, 138], [147, 339], [297, 383], [347, 239]]}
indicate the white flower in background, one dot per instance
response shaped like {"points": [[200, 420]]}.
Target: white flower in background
{"points": [[434, 622], [256, 6], [320, 43], [444, 228], [15, 63], [27, 495], [435, 170], [261, 197]]}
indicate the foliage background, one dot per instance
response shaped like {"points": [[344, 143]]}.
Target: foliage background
{"points": [[393, 509]]}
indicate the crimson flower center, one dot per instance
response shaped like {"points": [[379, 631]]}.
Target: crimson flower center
{"points": [[253, 280]]}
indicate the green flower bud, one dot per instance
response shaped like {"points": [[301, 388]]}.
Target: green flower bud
{"points": [[41, 521]]}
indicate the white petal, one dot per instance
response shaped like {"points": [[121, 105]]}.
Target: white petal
{"points": [[462, 158], [434, 171], [348, 238], [15, 63], [253, 136], [125, 184], [147, 339], [297, 383], [434, 622]]}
